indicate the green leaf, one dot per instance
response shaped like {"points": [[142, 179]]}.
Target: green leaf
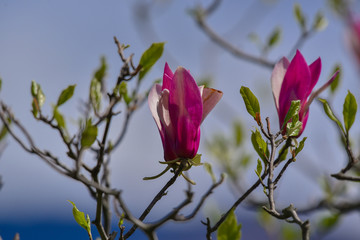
{"points": [[283, 153], [34, 88], [238, 133], [289, 232], [320, 22], [260, 145], [274, 37], [349, 110], [229, 229], [329, 222], [37, 94], [334, 85], [124, 92], [0, 83], [251, 102], [293, 128], [80, 218], [101, 71], [300, 147], [208, 168], [196, 161], [66, 94], [330, 114], [149, 58], [258, 170], [300, 17], [59, 118], [35, 107], [293, 111], [89, 134], [95, 93], [4, 130]]}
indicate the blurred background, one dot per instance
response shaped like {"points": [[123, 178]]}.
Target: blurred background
{"points": [[58, 43]]}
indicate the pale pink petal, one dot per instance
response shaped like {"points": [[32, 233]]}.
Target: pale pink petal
{"points": [[277, 78], [210, 98], [153, 101]]}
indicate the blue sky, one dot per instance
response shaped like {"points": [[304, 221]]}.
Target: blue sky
{"points": [[60, 43]]}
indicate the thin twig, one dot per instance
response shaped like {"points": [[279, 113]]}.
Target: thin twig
{"points": [[155, 200]]}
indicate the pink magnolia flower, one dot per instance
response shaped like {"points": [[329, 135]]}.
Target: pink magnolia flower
{"points": [[353, 38], [295, 80], [178, 107]]}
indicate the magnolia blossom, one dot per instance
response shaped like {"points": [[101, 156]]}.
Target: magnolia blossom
{"points": [[353, 38], [295, 80], [178, 107]]}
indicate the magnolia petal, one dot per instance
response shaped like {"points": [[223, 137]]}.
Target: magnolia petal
{"points": [[210, 97], [187, 138], [167, 77], [295, 85], [303, 121], [153, 100], [277, 78], [315, 70], [185, 99], [167, 131], [163, 108], [185, 108]]}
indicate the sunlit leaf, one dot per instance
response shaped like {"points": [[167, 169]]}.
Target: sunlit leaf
{"points": [[330, 114], [149, 58], [334, 85], [229, 229], [293, 111], [299, 16], [274, 37], [196, 161], [101, 71], [320, 22], [95, 93], [80, 218], [208, 168], [349, 110], [258, 170], [329, 222], [294, 127], [283, 153], [124, 92], [251, 102], [66, 94], [89, 134], [301, 146], [59, 118], [238, 133], [260, 145]]}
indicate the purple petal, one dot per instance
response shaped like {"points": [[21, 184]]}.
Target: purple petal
{"points": [[315, 69], [167, 77], [168, 132], [295, 85], [187, 139], [277, 78], [210, 97], [185, 107]]}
